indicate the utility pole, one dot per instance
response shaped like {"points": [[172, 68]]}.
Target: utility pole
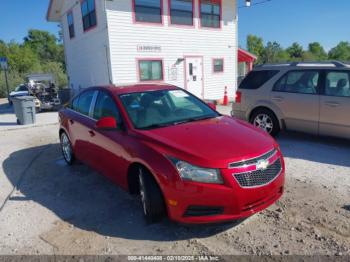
{"points": [[4, 66], [7, 85]]}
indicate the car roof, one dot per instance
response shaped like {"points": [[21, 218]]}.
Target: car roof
{"points": [[303, 65], [136, 88]]}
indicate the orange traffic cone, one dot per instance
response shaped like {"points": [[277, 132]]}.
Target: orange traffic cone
{"points": [[225, 102]]}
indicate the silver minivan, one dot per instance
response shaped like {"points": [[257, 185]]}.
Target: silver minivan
{"points": [[308, 97]]}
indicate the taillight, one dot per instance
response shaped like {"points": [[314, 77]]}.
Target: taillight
{"points": [[238, 97]]}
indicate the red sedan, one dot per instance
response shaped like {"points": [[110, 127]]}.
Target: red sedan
{"points": [[183, 158]]}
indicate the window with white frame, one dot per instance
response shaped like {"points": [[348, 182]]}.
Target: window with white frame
{"points": [[88, 11], [151, 70], [148, 11], [181, 12], [210, 13]]}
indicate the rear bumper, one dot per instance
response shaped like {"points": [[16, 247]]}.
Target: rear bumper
{"points": [[239, 114], [221, 203]]}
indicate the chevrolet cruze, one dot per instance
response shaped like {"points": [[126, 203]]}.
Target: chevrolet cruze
{"points": [[182, 157]]}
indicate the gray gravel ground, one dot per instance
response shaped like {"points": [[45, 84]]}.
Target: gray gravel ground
{"points": [[47, 207]]}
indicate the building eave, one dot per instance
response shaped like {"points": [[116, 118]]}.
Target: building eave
{"points": [[54, 11]]}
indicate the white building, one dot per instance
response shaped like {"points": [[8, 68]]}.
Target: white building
{"points": [[188, 43]]}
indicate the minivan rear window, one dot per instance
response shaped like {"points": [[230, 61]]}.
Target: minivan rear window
{"points": [[256, 79]]}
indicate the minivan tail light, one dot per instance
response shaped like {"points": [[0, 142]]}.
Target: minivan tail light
{"points": [[238, 97]]}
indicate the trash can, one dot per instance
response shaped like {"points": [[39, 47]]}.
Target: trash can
{"points": [[24, 109]]}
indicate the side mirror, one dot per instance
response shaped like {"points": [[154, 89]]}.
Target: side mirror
{"points": [[106, 123], [212, 105]]}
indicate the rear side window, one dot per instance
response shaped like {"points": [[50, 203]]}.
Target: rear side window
{"points": [[256, 79], [75, 104], [338, 84], [302, 82], [85, 102]]}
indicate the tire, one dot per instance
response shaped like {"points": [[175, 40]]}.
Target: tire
{"points": [[67, 149], [151, 197], [266, 120]]}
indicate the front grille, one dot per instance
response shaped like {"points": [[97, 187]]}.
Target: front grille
{"points": [[253, 161], [259, 177]]}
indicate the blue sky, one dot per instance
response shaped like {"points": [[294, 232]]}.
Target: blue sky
{"points": [[302, 21], [284, 21]]}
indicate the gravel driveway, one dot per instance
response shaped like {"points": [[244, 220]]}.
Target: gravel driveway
{"points": [[47, 207]]}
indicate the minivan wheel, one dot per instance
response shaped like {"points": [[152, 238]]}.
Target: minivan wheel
{"points": [[67, 150], [151, 197], [265, 120]]}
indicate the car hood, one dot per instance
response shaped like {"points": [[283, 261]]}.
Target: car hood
{"points": [[210, 143]]}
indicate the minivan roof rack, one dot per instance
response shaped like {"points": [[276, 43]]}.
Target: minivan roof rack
{"points": [[307, 64]]}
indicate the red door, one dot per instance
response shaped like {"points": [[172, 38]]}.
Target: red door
{"points": [[109, 153], [79, 125]]}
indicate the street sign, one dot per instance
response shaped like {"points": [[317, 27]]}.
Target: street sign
{"points": [[3, 63]]}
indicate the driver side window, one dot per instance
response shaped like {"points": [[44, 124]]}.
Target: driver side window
{"points": [[106, 107], [302, 82]]}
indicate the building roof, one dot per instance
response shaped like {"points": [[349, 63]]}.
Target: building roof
{"points": [[245, 56], [54, 11]]}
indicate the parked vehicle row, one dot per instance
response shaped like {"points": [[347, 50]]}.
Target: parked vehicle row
{"points": [[185, 159], [307, 97]]}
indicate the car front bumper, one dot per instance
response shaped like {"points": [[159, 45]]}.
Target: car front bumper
{"points": [[193, 202], [200, 203]]}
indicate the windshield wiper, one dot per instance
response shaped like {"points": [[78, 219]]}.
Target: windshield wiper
{"points": [[155, 126], [193, 119]]}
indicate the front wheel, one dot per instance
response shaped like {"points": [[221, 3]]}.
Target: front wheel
{"points": [[265, 120], [151, 197], [67, 149]]}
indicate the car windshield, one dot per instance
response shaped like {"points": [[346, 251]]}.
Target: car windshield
{"points": [[21, 88], [155, 109]]}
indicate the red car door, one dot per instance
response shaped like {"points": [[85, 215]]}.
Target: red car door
{"points": [[109, 153], [79, 125]]}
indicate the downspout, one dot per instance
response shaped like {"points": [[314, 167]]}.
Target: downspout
{"points": [[107, 47]]}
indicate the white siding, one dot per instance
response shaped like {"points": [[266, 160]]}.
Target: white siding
{"points": [[86, 57], [175, 42]]}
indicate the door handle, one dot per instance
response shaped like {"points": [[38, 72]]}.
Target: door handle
{"points": [[92, 133], [332, 104], [71, 121], [277, 98]]}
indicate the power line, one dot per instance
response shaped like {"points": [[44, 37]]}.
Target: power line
{"points": [[258, 3]]}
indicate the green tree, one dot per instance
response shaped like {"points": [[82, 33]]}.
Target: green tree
{"points": [[274, 53], [317, 52], [22, 59], [255, 46], [295, 52], [341, 52], [44, 44]]}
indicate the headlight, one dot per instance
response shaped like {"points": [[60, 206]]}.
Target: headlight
{"points": [[195, 173]]}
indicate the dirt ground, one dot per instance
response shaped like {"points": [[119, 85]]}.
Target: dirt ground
{"points": [[47, 207]]}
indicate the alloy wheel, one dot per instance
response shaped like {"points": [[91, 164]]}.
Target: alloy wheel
{"points": [[264, 122], [66, 147], [142, 192]]}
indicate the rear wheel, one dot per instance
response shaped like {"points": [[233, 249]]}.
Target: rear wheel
{"points": [[265, 120], [67, 149], [151, 197]]}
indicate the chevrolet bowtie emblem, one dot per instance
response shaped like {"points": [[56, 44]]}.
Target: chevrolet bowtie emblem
{"points": [[262, 164]]}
